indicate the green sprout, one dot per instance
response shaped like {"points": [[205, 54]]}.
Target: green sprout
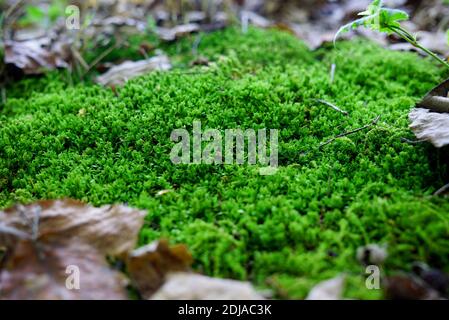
{"points": [[378, 18]]}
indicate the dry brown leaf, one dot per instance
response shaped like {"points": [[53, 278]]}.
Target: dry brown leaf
{"points": [[113, 230], [171, 34], [430, 118], [331, 289], [189, 286], [33, 56], [430, 126], [121, 73], [406, 287], [46, 238], [40, 272], [148, 265]]}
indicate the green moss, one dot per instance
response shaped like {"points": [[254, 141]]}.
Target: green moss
{"points": [[287, 231]]}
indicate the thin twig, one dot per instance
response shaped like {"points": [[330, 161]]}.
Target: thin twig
{"points": [[3, 94], [332, 73], [12, 8], [102, 56], [333, 106], [80, 59], [372, 123], [196, 45], [442, 190], [405, 140]]}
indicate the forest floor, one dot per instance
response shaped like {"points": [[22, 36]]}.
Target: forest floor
{"points": [[287, 231]]}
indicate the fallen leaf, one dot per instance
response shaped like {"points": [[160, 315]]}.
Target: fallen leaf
{"points": [[430, 126], [121, 73], [200, 61], [328, 290], [371, 254], [41, 272], [430, 118], [407, 287], [188, 286], [250, 17], [33, 56], [148, 265], [113, 230], [44, 240], [434, 278], [437, 99], [171, 34]]}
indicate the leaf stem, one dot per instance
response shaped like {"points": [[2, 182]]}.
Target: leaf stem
{"points": [[404, 34]]}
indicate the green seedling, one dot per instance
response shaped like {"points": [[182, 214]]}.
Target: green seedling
{"points": [[378, 18]]}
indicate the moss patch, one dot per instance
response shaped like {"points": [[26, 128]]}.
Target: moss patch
{"points": [[287, 231]]}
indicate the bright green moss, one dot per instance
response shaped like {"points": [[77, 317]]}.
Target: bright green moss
{"points": [[295, 228]]}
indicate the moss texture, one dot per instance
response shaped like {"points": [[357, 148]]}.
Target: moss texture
{"points": [[287, 231]]}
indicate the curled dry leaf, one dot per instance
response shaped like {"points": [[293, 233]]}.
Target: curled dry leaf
{"points": [[46, 238], [171, 34], [148, 265], [188, 286], [328, 290], [434, 278], [121, 73], [372, 254], [438, 99], [33, 56], [430, 118], [407, 287], [41, 272], [113, 230]]}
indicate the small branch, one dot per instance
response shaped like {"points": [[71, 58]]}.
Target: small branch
{"points": [[332, 73], [332, 106], [372, 123], [405, 140], [102, 56], [441, 190], [80, 59]]}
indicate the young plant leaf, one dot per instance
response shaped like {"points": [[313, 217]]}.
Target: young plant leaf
{"points": [[376, 18], [352, 26]]}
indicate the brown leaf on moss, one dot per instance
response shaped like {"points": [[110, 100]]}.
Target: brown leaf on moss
{"points": [[113, 230], [430, 126], [405, 287], [430, 119], [47, 241], [34, 56], [45, 272], [148, 265], [171, 34], [120, 74], [190, 286], [331, 289]]}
